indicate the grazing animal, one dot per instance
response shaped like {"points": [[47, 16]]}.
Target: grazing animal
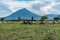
{"points": [[24, 22], [52, 22], [42, 22], [28, 22]]}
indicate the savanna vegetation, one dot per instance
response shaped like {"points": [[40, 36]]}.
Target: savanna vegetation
{"points": [[29, 29], [17, 31]]}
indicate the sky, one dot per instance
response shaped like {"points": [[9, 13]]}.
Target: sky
{"points": [[39, 7]]}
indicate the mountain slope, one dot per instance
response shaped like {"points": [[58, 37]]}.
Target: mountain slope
{"points": [[24, 14], [51, 16]]}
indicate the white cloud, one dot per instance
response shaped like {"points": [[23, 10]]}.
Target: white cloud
{"points": [[14, 6], [45, 9]]}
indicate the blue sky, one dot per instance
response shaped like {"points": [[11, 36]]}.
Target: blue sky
{"points": [[24, 0], [39, 7]]}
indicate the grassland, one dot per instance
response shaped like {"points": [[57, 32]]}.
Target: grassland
{"points": [[18, 31]]}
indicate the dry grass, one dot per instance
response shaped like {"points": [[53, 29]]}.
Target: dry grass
{"points": [[18, 31]]}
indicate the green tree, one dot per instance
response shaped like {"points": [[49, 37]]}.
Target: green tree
{"points": [[2, 19], [19, 18], [56, 18], [44, 18], [32, 18]]}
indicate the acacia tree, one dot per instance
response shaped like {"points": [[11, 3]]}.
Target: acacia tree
{"points": [[32, 18], [43, 18], [19, 18], [2, 19], [56, 18]]}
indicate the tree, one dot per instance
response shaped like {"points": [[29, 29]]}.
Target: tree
{"points": [[2, 19], [19, 18], [32, 18], [44, 18], [56, 18]]}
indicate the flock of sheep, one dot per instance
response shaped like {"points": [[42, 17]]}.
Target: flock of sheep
{"points": [[32, 22]]}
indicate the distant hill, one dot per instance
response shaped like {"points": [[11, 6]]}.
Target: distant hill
{"points": [[58, 16], [23, 14], [51, 16]]}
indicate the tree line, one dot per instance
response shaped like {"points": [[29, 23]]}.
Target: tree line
{"points": [[43, 18]]}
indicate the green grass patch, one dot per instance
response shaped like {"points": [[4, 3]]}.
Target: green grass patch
{"points": [[18, 31]]}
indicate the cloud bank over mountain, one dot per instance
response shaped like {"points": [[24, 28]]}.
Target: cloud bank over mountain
{"points": [[4, 10], [39, 7]]}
